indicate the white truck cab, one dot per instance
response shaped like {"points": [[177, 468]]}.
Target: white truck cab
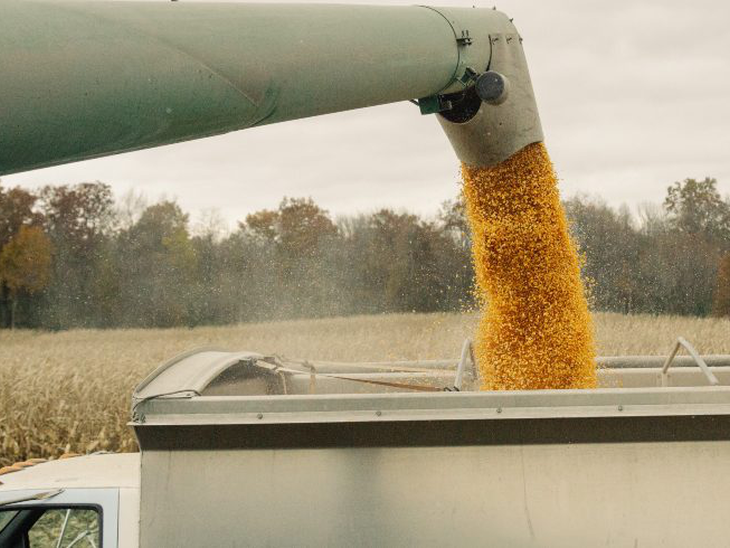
{"points": [[80, 502]]}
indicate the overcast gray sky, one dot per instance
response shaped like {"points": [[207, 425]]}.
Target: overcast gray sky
{"points": [[633, 96]]}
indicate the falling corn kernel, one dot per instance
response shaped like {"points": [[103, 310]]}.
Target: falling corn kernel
{"points": [[536, 330]]}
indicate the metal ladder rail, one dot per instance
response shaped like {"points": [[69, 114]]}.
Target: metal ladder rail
{"points": [[681, 342], [467, 353]]}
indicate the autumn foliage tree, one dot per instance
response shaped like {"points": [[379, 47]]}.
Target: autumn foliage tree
{"points": [[72, 256], [297, 228], [696, 208], [79, 220], [157, 261], [25, 264], [722, 295], [16, 211]]}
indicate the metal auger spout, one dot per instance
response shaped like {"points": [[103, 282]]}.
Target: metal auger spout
{"points": [[82, 79]]}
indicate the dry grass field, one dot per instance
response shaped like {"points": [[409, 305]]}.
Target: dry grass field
{"points": [[70, 391]]}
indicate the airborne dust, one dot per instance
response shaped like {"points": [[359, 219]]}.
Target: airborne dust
{"points": [[536, 331]]}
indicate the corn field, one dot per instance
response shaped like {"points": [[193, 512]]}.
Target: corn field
{"points": [[69, 391]]}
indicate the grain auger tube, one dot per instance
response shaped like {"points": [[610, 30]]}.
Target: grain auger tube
{"points": [[85, 79]]}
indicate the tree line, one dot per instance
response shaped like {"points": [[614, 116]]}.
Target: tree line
{"points": [[72, 256]]}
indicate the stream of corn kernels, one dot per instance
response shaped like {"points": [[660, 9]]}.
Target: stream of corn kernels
{"points": [[536, 330]]}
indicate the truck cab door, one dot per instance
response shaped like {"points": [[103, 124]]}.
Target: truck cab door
{"points": [[72, 518]]}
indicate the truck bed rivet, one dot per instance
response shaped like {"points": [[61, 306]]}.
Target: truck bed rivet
{"points": [[378, 413], [260, 416], [499, 409], [620, 407]]}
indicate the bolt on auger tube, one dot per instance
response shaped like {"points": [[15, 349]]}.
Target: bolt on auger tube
{"points": [[83, 79]]}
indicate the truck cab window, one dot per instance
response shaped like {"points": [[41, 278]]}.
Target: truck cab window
{"points": [[54, 527], [6, 516]]}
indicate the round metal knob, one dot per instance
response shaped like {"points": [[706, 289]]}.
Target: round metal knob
{"points": [[492, 87]]}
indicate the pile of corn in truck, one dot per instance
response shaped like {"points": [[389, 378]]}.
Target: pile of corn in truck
{"points": [[242, 449]]}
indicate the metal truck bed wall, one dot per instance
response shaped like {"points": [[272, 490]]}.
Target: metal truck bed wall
{"points": [[627, 467]]}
